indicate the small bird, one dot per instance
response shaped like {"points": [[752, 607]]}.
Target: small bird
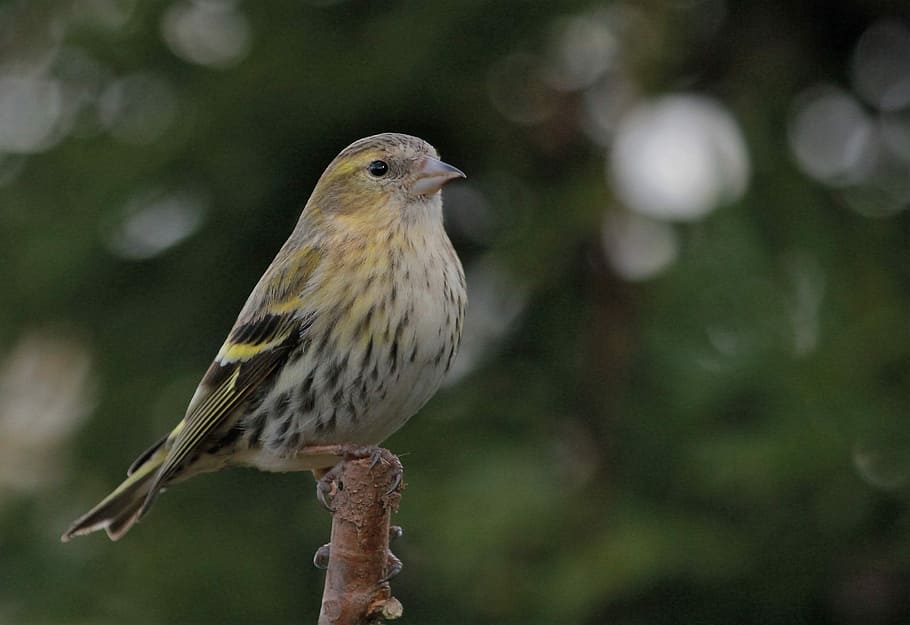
{"points": [[348, 333]]}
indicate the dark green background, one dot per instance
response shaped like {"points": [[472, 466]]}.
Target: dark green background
{"points": [[614, 452]]}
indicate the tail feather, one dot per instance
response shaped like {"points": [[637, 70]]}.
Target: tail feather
{"points": [[146, 455], [117, 512]]}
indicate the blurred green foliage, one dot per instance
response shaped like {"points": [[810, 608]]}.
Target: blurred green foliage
{"points": [[723, 441]]}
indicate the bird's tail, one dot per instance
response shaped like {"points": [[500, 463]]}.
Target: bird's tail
{"points": [[117, 512]]}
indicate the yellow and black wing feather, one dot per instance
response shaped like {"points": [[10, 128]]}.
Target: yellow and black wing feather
{"points": [[226, 386], [267, 330]]}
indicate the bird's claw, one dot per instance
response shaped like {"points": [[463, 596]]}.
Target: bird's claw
{"points": [[327, 486], [330, 483], [393, 567], [397, 478], [393, 564]]}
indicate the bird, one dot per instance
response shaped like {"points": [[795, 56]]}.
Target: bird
{"points": [[347, 334]]}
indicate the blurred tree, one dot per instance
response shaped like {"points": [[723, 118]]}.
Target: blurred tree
{"points": [[683, 391]]}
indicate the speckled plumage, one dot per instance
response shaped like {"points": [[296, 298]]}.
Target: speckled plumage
{"points": [[347, 334]]}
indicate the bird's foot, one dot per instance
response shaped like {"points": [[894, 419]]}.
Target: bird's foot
{"points": [[393, 565], [329, 483]]}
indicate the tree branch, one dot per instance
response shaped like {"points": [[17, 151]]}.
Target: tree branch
{"points": [[357, 590]]}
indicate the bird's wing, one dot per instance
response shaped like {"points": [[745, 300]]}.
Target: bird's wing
{"points": [[255, 349]]}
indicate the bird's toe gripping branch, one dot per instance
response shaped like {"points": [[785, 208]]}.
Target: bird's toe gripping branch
{"points": [[394, 565], [328, 485]]}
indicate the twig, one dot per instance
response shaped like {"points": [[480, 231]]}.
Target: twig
{"points": [[357, 590]]}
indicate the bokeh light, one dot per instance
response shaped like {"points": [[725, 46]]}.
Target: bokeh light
{"points": [[46, 390], [583, 48], [214, 33], [638, 247], [138, 108], [678, 157], [836, 141], [603, 106], [880, 66], [496, 300], [154, 221], [82, 80], [832, 137], [884, 465], [30, 113]]}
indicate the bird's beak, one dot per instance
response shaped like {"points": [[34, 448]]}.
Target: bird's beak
{"points": [[432, 173]]}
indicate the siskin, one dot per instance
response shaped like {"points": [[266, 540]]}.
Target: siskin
{"points": [[347, 334]]}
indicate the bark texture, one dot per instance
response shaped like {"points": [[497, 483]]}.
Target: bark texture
{"points": [[357, 591]]}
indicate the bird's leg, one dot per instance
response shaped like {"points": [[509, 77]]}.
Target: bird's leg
{"points": [[345, 451]]}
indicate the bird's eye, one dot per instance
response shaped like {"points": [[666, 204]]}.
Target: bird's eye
{"points": [[378, 169]]}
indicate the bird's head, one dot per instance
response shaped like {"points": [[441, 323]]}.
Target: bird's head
{"points": [[384, 175]]}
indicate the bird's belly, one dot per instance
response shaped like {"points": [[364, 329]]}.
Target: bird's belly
{"points": [[361, 396], [337, 417]]}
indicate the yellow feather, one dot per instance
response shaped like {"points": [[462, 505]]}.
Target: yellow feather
{"points": [[243, 351]]}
